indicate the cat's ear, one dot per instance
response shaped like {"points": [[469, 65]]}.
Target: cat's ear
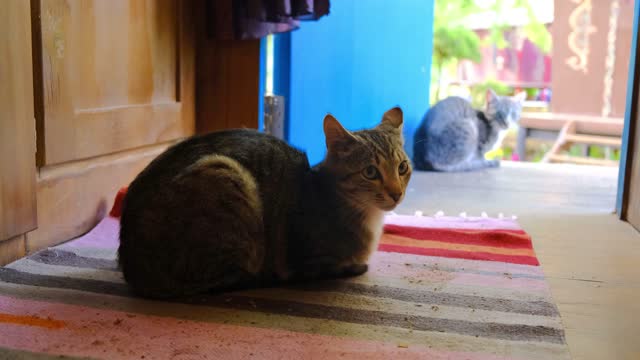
{"points": [[335, 133], [520, 97], [393, 117], [491, 96]]}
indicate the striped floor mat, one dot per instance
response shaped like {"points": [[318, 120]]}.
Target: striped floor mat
{"points": [[438, 288]]}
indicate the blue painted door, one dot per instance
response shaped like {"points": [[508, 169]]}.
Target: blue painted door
{"points": [[629, 152], [362, 59]]}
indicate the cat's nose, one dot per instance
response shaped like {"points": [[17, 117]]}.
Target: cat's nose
{"points": [[395, 196]]}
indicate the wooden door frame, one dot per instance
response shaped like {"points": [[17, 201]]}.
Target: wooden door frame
{"points": [[17, 131], [630, 150], [229, 77]]}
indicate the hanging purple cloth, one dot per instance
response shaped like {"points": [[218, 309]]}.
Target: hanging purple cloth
{"points": [[253, 19]]}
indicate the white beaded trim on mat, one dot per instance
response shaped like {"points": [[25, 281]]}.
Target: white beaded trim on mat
{"points": [[463, 215]]}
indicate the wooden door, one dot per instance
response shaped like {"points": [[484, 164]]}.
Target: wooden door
{"points": [[17, 123], [115, 75]]}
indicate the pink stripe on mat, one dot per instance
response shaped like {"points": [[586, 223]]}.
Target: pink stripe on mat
{"points": [[459, 254], [119, 335], [101, 236]]}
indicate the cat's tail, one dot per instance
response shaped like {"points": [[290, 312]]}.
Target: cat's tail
{"points": [[420, 161]]}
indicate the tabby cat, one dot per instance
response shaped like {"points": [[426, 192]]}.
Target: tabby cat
{"points": [[240, 208], [453, 136]]}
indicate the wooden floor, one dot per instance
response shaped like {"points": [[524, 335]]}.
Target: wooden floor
{"points": [[591, 259]]}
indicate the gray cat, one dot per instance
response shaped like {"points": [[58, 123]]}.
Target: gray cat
{"points": [[240, 208], [454, 137]]}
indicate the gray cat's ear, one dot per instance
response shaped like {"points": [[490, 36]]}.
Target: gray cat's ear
{"points": [[393, 117], [491, 96], [335, 133], [520, 97]]}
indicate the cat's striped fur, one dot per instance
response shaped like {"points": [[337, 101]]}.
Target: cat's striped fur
{"points": [[241, 208]]}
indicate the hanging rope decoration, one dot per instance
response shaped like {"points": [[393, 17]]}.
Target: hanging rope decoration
{"points": [[610, 61]]}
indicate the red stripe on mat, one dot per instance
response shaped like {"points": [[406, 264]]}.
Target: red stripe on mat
{"points": [[513, 259], [514, 239], [116, 209]]}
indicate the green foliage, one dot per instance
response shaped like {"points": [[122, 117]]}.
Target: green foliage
{"points": [[453, 41], [540, 152], [616, 155], [531, 92], [538, 34], [456, 43], [595, 152], [452, 12], [507, 153], [479, 91], [534, 30]]}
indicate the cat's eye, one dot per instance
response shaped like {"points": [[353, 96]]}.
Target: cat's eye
{"points": [[403, 168], [371, 172]]}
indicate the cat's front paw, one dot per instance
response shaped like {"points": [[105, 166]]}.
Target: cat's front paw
{"points": [[354, 270]]}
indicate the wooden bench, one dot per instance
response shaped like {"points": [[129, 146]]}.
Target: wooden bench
{"points": [[568, 129]]}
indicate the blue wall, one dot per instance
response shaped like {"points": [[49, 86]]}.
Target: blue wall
{"points": [[359, 61]]}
